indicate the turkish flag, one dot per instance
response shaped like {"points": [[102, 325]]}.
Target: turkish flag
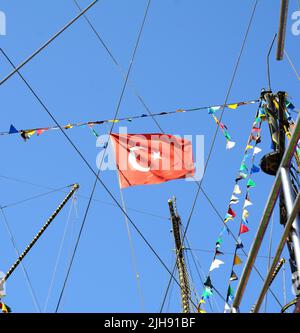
{"points": [[152, 158]]}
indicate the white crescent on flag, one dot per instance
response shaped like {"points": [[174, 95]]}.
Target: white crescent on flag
{"points": [[133, 162]]}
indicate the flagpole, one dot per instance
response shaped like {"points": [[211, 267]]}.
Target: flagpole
{"points": [[183, 275], [39, 234]]}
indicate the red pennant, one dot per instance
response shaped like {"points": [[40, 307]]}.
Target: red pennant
{"points": [[243, 229], [231, 212], [40, 131]]}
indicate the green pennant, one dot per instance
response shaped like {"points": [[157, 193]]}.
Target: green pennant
{"points": [[257, 120], [251, 183], [243, 167], [207, 292], [220, 240], [227, 136], [230, 291]]}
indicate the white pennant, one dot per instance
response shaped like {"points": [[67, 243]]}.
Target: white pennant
{"points": [[227, 307], [230, 144], [256, 150], [237, 189], [216, 264], [247, 203], [234, 200]]}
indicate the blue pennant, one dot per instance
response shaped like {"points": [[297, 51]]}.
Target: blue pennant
{"points": [[12, 130], [255, 169]]}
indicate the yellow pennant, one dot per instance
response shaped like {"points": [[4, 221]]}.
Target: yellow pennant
{"points": [[30, 133], [233, 106], [245, 214], [237, 260], [4, 308]]}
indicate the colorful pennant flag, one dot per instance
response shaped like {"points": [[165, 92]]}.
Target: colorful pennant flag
{"points": [[251, 183], [243, 229], [12, 130], [233, 276], [216, 264], [237, 260]]}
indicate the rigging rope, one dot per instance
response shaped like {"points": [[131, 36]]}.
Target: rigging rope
{"points": [[117, 64], [269, 257], [34, 197], [292, 65], [84, 197], [16, 69], [133, 255], [217, 128], [59, 253], [28, 281]]}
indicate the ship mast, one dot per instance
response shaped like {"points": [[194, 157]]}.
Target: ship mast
{"points": [[180, 262]]}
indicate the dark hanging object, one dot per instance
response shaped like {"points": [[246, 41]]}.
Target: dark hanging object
{"points": [[270, 163]]}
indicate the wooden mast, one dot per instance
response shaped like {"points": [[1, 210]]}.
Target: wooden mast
{"points": [[180, 262]]}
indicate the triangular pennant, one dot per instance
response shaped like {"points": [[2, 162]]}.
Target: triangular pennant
{"points": [[40, 131], [208, 283], [241, 176], [231, 212], [230, 144], [233, 106], [218, 253], [233, 276], [29, 133], [237, 260], [255, 169], [247, 203], [227, 136], [234, 200], [228, 218], [12, 130], [257, 120], [239, 245], [243, 229], [227, 307], [207, 293], [251, 183], [237, 189], [245, 214], [289, 105], [230, 293], [219, 241], [216, 264], [248, 147], [213, 109], [255, 130]]}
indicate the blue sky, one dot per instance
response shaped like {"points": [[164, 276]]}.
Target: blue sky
{"points": [[185, 59]]}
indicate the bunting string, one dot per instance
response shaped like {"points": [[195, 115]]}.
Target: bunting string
{"points": [[28, 133], [243, 227], [243, 173]]}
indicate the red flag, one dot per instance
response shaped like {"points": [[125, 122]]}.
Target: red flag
{"points": [[152, 158], [231, 212], [243, 229]]}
